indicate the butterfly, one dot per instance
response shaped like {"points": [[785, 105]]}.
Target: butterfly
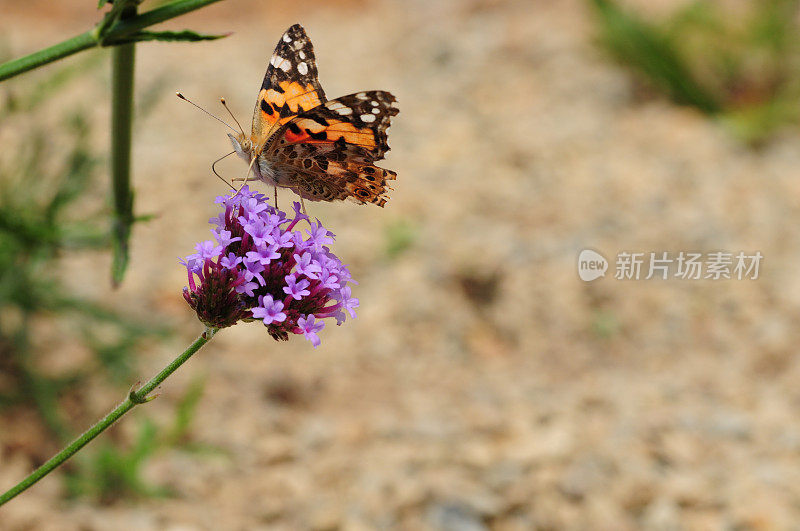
{"points": [[323, 150]]}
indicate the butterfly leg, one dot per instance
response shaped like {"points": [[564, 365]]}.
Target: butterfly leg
{"points": [[303, 204], [275, 188], [244, 182], [246, 177]]}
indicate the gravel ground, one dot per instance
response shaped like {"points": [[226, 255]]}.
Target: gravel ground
{"points": [[483, 386]]}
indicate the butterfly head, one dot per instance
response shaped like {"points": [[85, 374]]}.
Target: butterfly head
{"points": [[248, 150], [242, 145]]}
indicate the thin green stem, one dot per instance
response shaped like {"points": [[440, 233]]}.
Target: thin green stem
{"points": [[135, 397], [122, 69], [89, 39], [76, 44]]}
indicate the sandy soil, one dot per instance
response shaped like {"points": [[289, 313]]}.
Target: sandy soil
{"points": [[483, 386]]}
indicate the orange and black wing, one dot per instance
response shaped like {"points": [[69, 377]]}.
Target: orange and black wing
{"points": [[330, 150], [290, 85], [360, 119]]}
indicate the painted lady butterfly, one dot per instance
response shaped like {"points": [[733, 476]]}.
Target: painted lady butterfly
{"points": [[322, 150]]}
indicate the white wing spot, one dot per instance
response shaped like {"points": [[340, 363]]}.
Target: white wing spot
{"points": [[301, 54], [374, 103], [376, 111], [367, 117], [302, 68], [275, 60], [286, 66], [344, 111], [286, 38], [361, 95]]}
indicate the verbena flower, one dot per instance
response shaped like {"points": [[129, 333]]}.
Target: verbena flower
{"points": [[262, 267]]}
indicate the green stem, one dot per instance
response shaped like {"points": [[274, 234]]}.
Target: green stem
{"points": [[122, 69], [90, 39], [134, 398], [76, 44]]}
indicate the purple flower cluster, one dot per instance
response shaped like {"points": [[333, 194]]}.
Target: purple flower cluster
{"points": [[262, 268]]}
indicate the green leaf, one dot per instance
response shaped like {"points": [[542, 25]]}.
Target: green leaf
{"points": [[120, 3], [399, 237], [184, 414], [649, 51], [167, 36], [119, 9], [145, 218]]}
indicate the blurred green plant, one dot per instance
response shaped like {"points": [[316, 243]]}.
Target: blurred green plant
{"points": [[38, 225], [399, 236], [111, 472], [605, 323], [121, 27], [740, 66], [178, 434]]}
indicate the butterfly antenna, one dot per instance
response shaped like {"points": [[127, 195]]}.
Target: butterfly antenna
{"points": [[224, 104], [221, 178], [181, 96]]}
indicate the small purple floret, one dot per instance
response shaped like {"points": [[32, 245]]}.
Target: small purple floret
{"points": [[224, 237], [268, 310], [207, 249], [348, 303], [230, 261], [296, 290], [306, 265], [309, 329]]}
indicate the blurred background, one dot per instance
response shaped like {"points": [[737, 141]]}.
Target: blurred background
{"points": [[483, 385]]}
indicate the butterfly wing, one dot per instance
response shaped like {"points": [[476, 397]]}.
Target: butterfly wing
{"points": [[328, 153], [290, 86], [331, 172], [360, 119]]}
